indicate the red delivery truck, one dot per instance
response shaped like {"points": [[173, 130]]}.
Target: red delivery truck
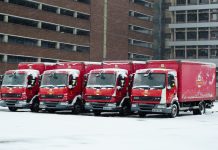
{"points": [[108, 89], [62, 88], [20, 87], [171, 86]]}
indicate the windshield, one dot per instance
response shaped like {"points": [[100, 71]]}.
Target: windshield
{"points": [[101, 80], [55, 79], [14, 79], [153, 80]]}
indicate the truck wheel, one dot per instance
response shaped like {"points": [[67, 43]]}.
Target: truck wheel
{"points": [[12, 109], [125, 110], [50, 110], [174, 111], [35, 106], [77, 108], [201, 109], [97, 113], [142, 114]]}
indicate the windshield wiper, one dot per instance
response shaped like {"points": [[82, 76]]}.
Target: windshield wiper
{"points": [[50, 86], [143, 87]]}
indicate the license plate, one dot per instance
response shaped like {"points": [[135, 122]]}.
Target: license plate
{"points": [[157, 110], [107, 108]]}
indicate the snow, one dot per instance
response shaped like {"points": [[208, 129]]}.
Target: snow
{"points": [[25, 130]]}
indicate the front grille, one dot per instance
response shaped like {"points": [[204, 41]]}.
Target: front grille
{"points": [[146, 106], [10, 103], [98, 105], [51, 104], [98, 97], [47, 96], [11, 95], [146, 98]]}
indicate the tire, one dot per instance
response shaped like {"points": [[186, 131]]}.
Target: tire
{"points": [[35, 106], [97, 113], [201, 110], [174, 111], [77, 108], [50, 110], [142, 114], [13, 109], [125, 110]]}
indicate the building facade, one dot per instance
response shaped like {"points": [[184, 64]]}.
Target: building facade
{"points": [[192, 29], [74, 30]]}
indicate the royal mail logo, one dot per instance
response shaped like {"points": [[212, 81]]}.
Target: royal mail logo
{"points": [[50, 91], [10, 90], [199, 81], [98, 92], [145, 93], [116, 66]]}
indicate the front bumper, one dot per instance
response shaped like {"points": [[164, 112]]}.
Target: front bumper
{"points": [[151, 108], [56, 105], [103, 107], [15, 103]]}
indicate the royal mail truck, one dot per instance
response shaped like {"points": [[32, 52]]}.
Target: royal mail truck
{"points": [[20, 87], [171, 86]]}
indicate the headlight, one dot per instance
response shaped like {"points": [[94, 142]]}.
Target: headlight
{"points": [[87, 104], [22, 102], [111, 104], [134, 105], [41, 103], [60, 96], [4, 95], [161, 106]]}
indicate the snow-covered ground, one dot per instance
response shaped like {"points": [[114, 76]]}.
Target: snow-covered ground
{"points": [[62, 131]]}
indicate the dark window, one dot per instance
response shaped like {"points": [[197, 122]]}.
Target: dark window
{"points": [[84, 1], [180, 54], [48, 44], [203, 53], [192, 16], [142, 16], [140, 57], [67, 47], [1, 37], [203, 35], [192, 35], [141, 30], [192, 2], [48, 60], [66, 30], [191, 53], [1, 17], [181, 2], [203, 15], [180, 18], [180, 36], [48, 26], [204, 1], [67, 12], [49, 8], [82, 49], [25, 3], [21, 40], [17, 59], [82, 32], [22, 21], [144, 3], [82, 16], [1, 58]]}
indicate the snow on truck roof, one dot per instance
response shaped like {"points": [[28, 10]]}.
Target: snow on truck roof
{"points": [[74, 72], [124, 62], [32, 63], [82, 62], [121, 71], [153, 69]]}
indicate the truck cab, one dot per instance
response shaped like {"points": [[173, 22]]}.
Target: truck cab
{"points": [[107, 90], [154, 91], [62, 88]]}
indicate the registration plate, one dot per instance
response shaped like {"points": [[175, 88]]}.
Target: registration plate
{"points": [[107, 108], [157, 110]]}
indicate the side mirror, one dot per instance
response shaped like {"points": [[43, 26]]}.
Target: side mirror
{"points": [[118, 88], [169, 87], [70, 86]]}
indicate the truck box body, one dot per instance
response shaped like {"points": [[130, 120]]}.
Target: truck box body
{"points": [[196, 81], [65, 97], [168, 86]]}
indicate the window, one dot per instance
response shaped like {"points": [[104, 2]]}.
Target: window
{"points": [[67, 12], [192, 2], [17, 59], [203, 15], [82, 16], [214, 33], [180, 36], [192, 16], [1, 17], [49, 8], [140, 29], [180, 16], [48, 60], [141, 16], [203, 35], [66, 30], [67, 47], [180, 53], [48, 44], [1, 58], [82, 49], [214, 53], [21, 40], [84, 1], [82, 32], [25, 3], [192, 34], [203, 53], [181, 2], [144, 3], [203, 1], [22, 21], [140, 57], [1, 38], [142, 44], [191, 53], [48, 26]]}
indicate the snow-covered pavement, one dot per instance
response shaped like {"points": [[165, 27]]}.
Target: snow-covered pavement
{"points": [[62, 131]]}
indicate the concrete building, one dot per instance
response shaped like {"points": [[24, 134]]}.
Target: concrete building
{"points": [[69, 30]]}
